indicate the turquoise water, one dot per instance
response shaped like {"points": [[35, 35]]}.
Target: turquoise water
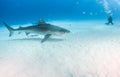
{"points": [[21, 11], [91, 49]]}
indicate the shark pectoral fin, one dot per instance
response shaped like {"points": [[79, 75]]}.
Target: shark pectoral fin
{"points": [[45, 38], [11, 33]]}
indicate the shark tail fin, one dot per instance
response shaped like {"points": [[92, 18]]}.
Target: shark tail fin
{"points": [[9, 28]]}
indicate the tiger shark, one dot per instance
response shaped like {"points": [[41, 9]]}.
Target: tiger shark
{"points": [[42, 28]]}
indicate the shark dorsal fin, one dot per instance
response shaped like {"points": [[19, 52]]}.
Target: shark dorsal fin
{"points": [[41, 21], [20, 27]]}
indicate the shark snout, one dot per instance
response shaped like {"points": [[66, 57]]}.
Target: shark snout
{"points": [[64, 31]]}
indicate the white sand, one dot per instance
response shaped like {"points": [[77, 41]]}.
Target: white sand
{"points": [[92, 49]]}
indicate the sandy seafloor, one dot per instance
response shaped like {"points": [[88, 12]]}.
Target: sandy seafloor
{"points": [[92, 49]]}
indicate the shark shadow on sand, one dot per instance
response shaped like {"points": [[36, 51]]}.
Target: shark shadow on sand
{"points": [[37, 39]]}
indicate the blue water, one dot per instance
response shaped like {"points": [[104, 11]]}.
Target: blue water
{"points": [[17, 11]]}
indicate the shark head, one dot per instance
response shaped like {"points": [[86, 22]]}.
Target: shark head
{"points": [[55, 30], [63, 31]]}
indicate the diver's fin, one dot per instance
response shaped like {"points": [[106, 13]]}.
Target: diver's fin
{"points": [[45, 38], [9, 28]]}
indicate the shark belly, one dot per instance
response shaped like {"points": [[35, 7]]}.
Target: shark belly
{"points": [[36, 32]]}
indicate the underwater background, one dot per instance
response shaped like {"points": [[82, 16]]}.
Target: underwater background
{"points": [[90, 49], [21, 11]]}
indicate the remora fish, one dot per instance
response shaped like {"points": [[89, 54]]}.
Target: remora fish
{"points": [[42, 28]]}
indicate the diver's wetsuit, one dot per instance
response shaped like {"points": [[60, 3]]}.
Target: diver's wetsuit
{"points": [[110, 20]]}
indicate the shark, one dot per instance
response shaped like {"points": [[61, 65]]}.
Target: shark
{"points": [[42, 28]]}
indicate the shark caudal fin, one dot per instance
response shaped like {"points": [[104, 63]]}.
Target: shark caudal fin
{"points": [[9, 28]]}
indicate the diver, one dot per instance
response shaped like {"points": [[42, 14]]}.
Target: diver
{"points": [[110, 20]]}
